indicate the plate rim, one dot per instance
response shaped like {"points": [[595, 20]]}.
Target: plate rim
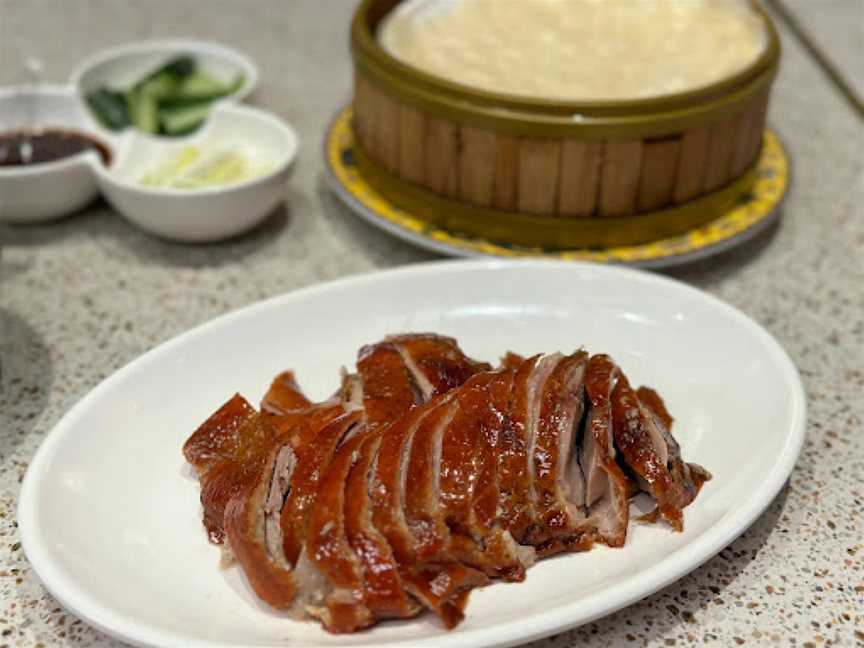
{"points": [[75, 598], [370, 216]]}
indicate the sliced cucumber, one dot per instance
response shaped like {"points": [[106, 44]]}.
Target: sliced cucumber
{"points": [[200, 86], [109, 107], [174, 99], [182, 66], [182, 120], [159, 87], [144, 111]]}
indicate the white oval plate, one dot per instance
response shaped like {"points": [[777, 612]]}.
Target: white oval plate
{"points": [[109, 514]]}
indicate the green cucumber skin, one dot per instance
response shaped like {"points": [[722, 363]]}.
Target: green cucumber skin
{"points": [[172, 100], [182, 66], [144, 111], [181, 121], [110, 108]]}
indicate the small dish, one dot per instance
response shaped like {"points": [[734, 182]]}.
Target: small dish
{"points": [[111, 521], [124, 65], [211, 213], [49, 190]]}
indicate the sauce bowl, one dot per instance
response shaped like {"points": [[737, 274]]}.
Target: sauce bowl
{"points": [[49, 190]]}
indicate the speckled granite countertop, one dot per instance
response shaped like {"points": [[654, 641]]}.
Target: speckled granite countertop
{"points": [[84, 296]]}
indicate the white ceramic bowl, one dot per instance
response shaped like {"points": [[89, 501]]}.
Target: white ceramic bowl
{"points": [[213, 213], [123, 66], [47, 191]]}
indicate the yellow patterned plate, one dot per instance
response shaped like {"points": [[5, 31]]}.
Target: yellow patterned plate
{"points": [[755, 212]]}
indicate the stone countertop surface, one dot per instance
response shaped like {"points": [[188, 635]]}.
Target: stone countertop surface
{"points": [[836, 27], [81, 297]]}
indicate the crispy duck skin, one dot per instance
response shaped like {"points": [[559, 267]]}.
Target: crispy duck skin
{"points": [[644, 455], [653, 455], [253, 515], [251, 518], [430, 534], [383, 593], [312, 460], [388, 386], [436, 362], [468, 477], [558, 479], [607, 488], [386, 494], [228, 452], [429, 474], [651, 399], [244, 471], [339, 600], [433, 575], [283, 396], [515, 487], [688, 477]]}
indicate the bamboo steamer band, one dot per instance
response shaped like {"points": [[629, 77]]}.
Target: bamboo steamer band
{"points": [[532, 230], [598, 120]]}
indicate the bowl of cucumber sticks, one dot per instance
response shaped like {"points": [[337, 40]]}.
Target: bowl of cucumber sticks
{"points": [[191, 162], [163, 88]]}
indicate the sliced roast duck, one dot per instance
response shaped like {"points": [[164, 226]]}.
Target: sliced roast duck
{"points": [[428, 474]]}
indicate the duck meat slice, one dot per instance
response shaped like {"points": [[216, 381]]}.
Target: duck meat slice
{"points": [[431, 573], [689, 477], [428, 569], [254, 532], [253, 516], [388, 386], [518, 501], [607, 488], [283, 396], [330, 571], [312, 459], [558, 479], [436, 362], [383, 591], [439, 587], [515, 504], [431, 537], [512, 361], [228, 452], [500, 549], [651, 399], [468, 477], [444, 589], [651, 453], [300, 426], [387, 487]]}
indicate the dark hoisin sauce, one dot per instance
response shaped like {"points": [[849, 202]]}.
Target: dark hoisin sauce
{"points": [[28, 147]]}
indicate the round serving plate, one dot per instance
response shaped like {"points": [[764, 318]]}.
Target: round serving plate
{"points": [[751, 215]]}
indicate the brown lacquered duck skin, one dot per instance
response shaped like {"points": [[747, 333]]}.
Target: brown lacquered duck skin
{"points": [[607, 487], [249, 518], [284, 396], [227, 451], [430, 474]]}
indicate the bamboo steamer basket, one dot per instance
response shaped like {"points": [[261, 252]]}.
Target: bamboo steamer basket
{"points": [[548, 173]]}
